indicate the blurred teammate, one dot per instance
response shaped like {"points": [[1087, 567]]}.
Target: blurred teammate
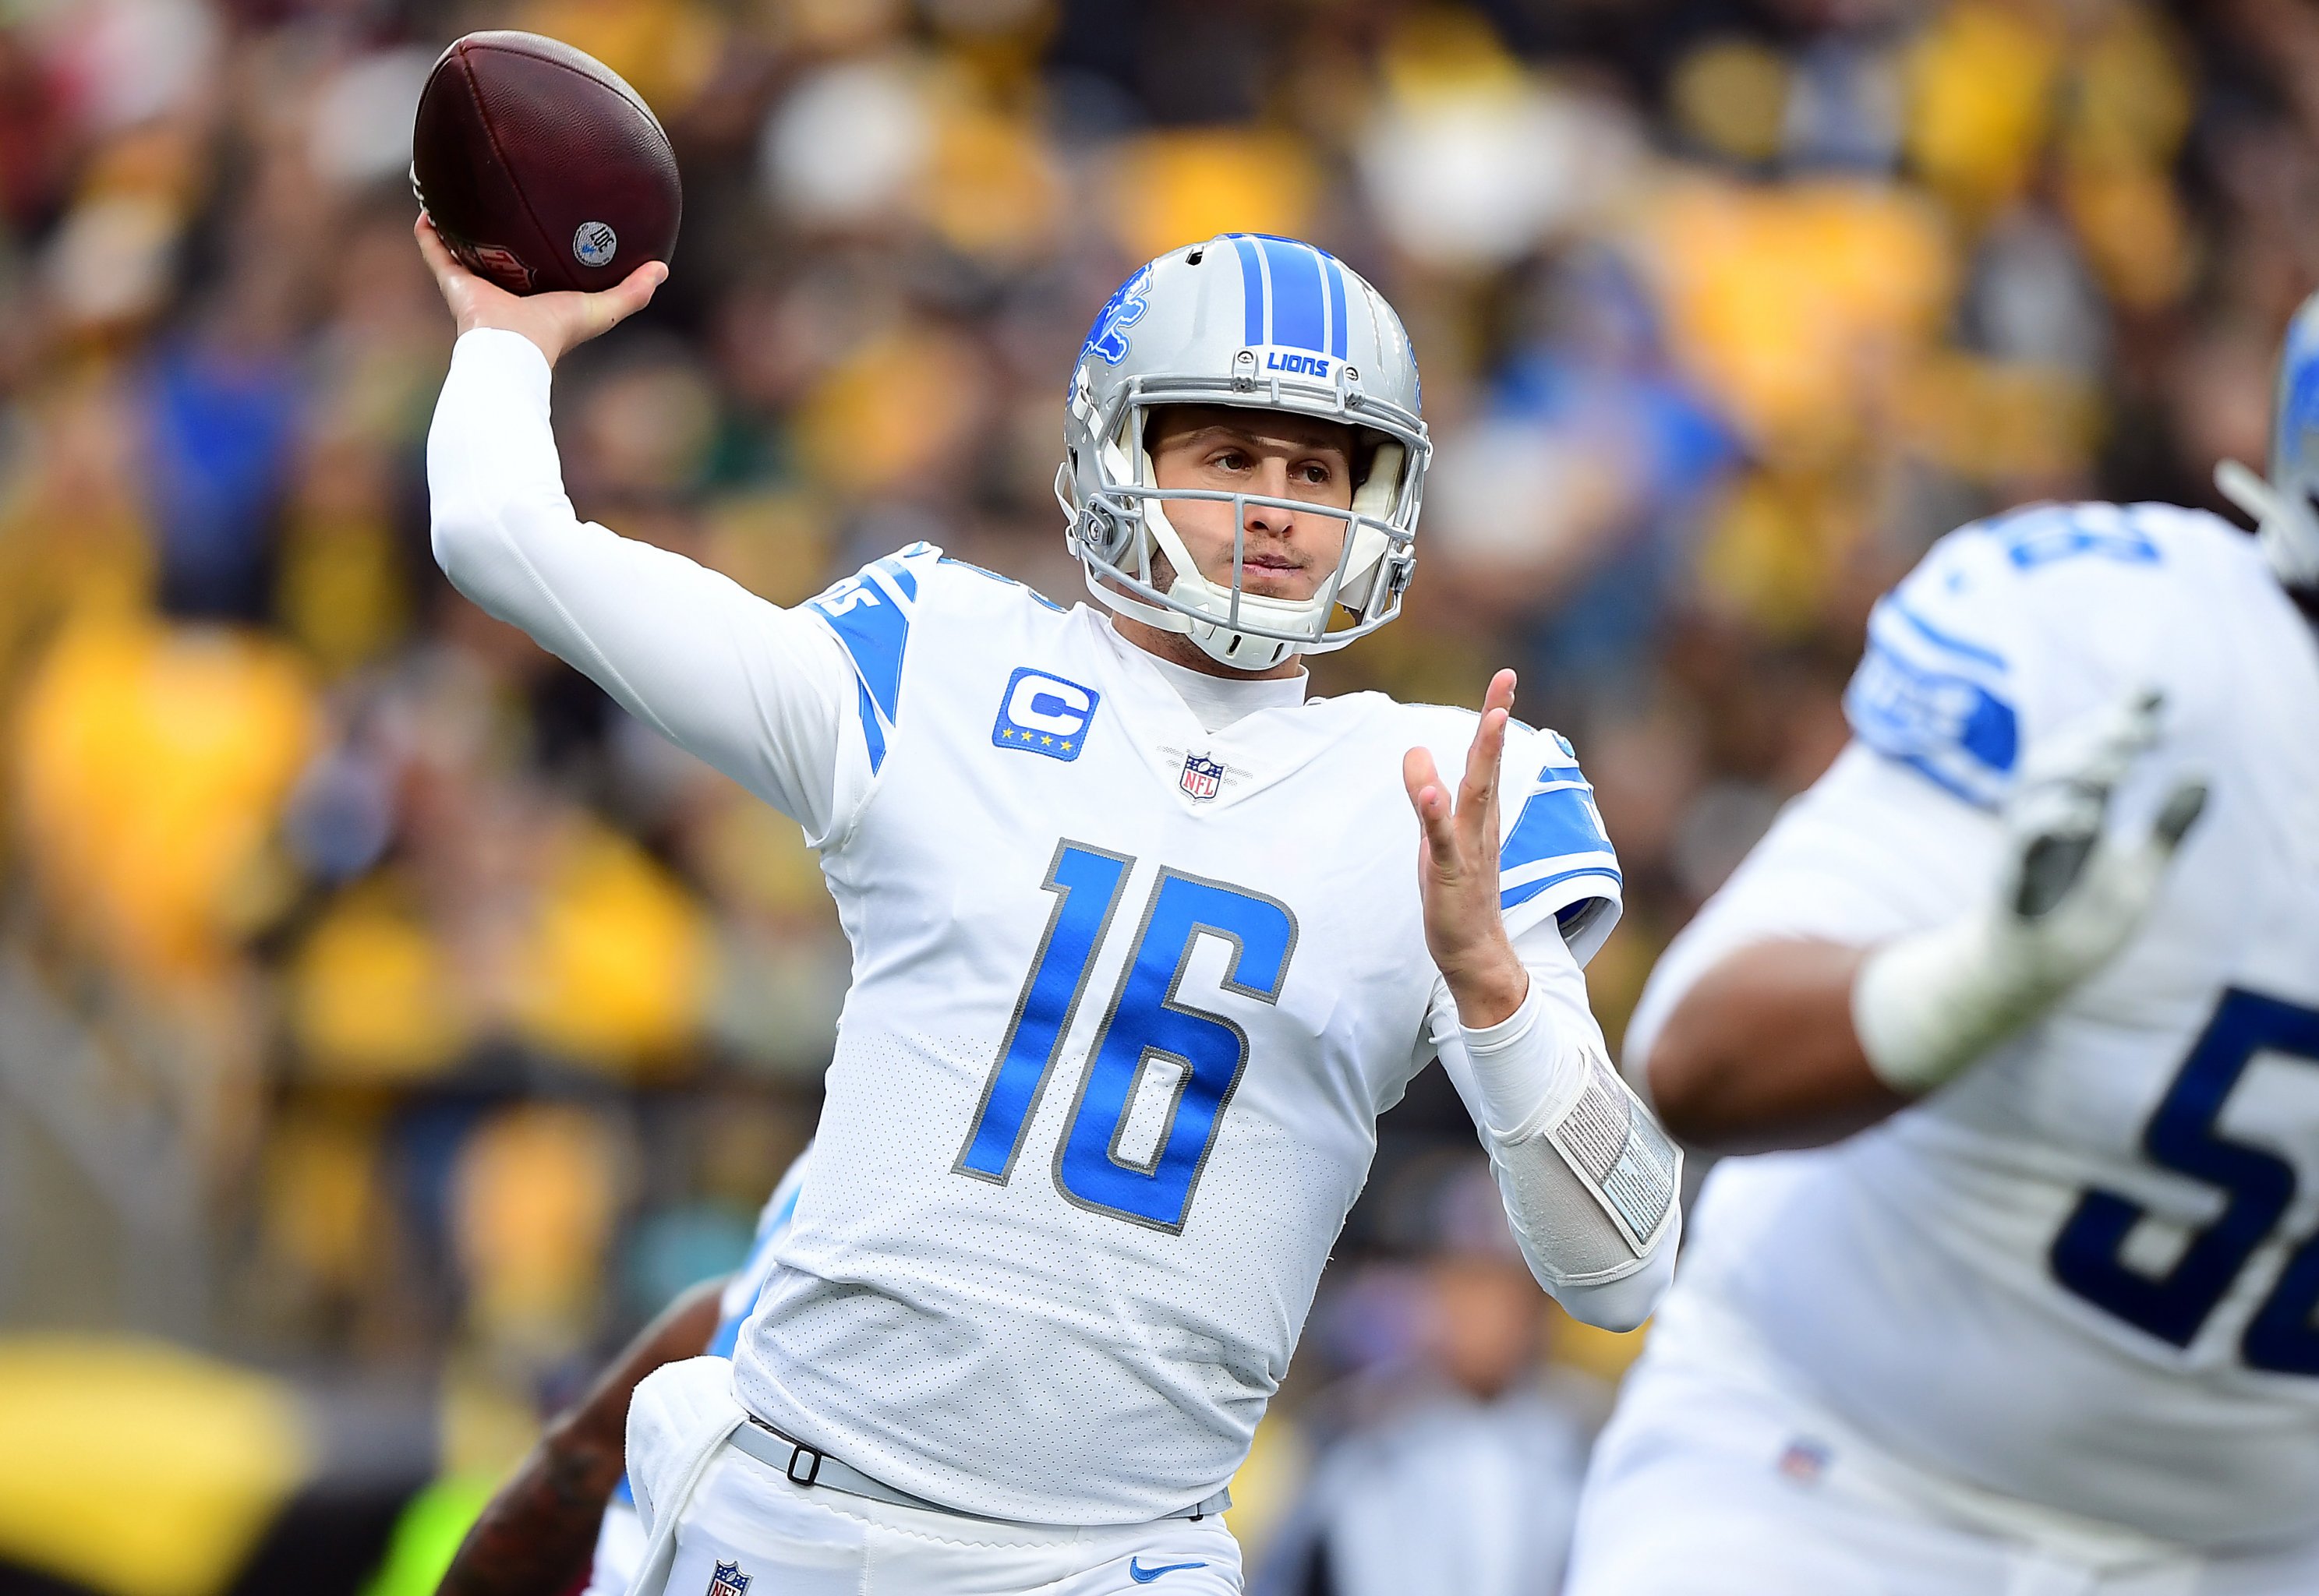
{"points": [[2043, 1321], [1137, 954], [533, 1539]]}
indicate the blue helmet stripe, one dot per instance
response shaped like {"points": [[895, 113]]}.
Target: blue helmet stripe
{"points": [[1297, 308], [1336, 305], [1252, 290]]}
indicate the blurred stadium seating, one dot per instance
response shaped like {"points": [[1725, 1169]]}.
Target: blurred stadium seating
{"points": [[381, 1009]]}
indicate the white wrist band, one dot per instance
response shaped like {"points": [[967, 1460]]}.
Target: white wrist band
{"points": [[1924, 1007], [1518, 1068]]}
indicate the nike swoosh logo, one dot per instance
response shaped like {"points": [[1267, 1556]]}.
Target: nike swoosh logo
{"points": [[1144, 1577]]}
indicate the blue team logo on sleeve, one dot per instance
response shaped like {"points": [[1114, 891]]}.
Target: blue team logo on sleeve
{"points": [[1045, 713], [1937, 702]]}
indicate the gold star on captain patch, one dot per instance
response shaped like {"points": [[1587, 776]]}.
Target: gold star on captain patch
{"points": [[1066, 745], [1006, 731], [1050, 742]]}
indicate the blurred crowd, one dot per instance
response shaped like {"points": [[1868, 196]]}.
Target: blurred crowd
{"points": [[376, 996]]}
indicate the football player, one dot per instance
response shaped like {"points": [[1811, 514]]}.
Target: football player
{"points": [[2030, 1309], [1143, 942]]}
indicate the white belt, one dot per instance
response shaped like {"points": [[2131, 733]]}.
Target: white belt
{"points": [[804, 1465]]}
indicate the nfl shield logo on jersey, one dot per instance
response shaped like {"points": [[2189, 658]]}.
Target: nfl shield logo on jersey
{"points": [[1202, 777], [728, 1581]]}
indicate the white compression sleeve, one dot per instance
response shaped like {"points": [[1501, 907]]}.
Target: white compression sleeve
{"points": [[1589, 1180], [761, 693]]}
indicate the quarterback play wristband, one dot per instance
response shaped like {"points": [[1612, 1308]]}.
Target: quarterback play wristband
{"points": [[1567, 1116]]}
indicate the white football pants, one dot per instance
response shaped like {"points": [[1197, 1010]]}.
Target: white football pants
{"points": [[1714, 1479], [747, 1521]]}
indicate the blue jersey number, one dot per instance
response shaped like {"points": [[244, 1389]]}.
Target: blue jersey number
{"points": [[2088, 1256], [1150, 1041]]}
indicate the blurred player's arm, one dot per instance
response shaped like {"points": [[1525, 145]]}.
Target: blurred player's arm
{"points": [[536, 1534], [758, 691], [1589, 1179], [1965, 927], [1762, 1052]]}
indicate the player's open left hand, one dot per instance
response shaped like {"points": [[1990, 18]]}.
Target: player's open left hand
{"points": [[557, 321], [1457, 868]]}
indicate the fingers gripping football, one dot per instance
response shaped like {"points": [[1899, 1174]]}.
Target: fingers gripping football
{"points": [[2073, 894], [557, 321]]}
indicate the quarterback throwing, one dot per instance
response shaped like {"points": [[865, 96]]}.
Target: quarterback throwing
{"points": [[1143, 942]]}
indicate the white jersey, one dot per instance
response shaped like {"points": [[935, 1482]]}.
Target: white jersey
{"points": [[2084, 1274], [1128, 997], [1128, 993]]}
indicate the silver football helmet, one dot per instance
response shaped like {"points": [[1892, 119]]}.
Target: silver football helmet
{"points": [[2285, 509], [1269, 323]]}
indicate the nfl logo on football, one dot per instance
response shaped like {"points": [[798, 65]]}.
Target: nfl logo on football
{"points": [[728, 1581], [1202, 777]]}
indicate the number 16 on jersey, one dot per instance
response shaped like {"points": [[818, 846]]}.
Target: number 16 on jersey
{"points": [[1093, 1166]]}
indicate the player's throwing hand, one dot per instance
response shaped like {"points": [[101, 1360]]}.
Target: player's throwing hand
{"points": [[1457, 868], [557, 321]]}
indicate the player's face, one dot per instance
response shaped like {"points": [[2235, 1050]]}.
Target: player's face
{"points": [[1286, 554]]}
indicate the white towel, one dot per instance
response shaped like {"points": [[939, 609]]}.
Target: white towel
{"points": [[679, 1417]]}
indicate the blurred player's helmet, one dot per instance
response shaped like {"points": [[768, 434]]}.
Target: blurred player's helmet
{"points": [[2287, 507], [1271, 324]]}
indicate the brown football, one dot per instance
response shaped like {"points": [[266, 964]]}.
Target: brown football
{"points": [[540, 167]]}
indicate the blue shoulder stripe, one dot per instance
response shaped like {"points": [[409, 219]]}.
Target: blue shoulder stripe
{"points": [[904, 577], [1949, 727], [1530, 890], [873, 725], [871, 613], [1552, 824], [1557, 835], [1942, 639]]}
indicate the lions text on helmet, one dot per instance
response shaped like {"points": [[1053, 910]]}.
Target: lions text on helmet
{"points": [[1244, 451]]}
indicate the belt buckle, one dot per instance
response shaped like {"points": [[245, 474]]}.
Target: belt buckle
{"points": [[811, 1474]]}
